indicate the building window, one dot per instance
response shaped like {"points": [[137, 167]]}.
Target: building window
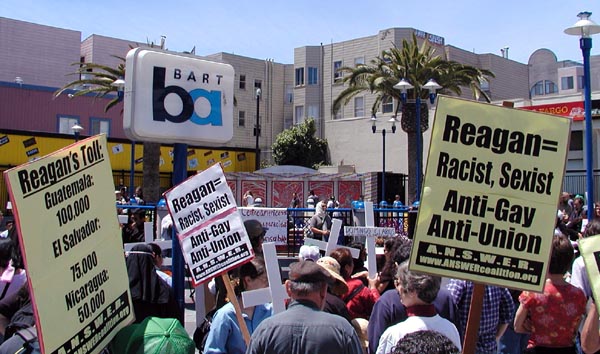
{"points": [[337, 74], [313, 76], [313, 111], [299, 114], [241, 119], [580, 82], [289, 94], [387, 104], [576, 142], [99, 126], [359, 106], [538, 89], [359, 61], [338, 114], [242, 82], [258, 84], [566, 83], [65, 123], [299, 76], [550, 87]]}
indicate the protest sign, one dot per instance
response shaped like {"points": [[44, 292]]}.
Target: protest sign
{"points": [[274, 219], [332, 243], [209, 226], [488, 206], [65, 213], [590, 251]]}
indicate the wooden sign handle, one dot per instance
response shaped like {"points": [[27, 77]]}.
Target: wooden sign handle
{"points": [[470, 343], [236, 306]]}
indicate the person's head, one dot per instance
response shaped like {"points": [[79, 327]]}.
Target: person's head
{"points": [[6, 251], [344, 258], [403, 247], [565, 196], [309, 281], [251, 276], [397, 197], [578, 202], [592, 228], [321, 208], [257, 233], [258, 202], [309, 253], [339, 287], [425, 342], [157, 251], [139, 192], [138, 217], [562, 255], [424, 286], [312, 192]]}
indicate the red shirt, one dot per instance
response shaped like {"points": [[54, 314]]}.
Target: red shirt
{"points": [[361, 305]]}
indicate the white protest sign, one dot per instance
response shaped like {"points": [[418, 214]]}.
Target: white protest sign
{"points": [[210, 229], [331, 244], [274, 219], [276, 291], [370, 232], [64, 209]]}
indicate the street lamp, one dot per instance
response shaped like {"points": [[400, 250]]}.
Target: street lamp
{"points": [[432, 86], [392, 120], [120, 86], [76, 128], [584, 28], [257, 129]]}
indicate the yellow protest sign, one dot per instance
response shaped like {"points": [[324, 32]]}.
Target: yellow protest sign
{"points": [[64, 208], [590, 251], [490, 193]]}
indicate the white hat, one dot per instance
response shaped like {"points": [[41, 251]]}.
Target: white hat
{"points": [[309, 252]]}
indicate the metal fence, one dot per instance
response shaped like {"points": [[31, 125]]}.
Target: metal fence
{"points": [[574, 183]]}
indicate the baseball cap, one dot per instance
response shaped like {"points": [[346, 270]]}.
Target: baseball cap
{"points": [[309, 272], [309, 253], [153, 335]]}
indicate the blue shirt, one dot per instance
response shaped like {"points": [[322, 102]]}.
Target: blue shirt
{"points": [[225, 335]]}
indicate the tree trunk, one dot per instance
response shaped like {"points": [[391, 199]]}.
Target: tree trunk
{"points": [[408, 124], [151, 186]]}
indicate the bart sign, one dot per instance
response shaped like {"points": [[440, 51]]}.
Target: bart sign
{"points": [[492, 182]]}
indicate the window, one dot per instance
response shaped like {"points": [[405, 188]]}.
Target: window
{"points": [[337, 75], [359, 106], [484, 85], [358, 61], [289, 94], [299, 114], [65, 123], [313, 76], [550, 87], [538, 89], [576, 142], [338, 114], [241, 119], [299, 76], [313, 111], [387, 104], [257, 84], [566, 83], [242, 82], [99, 126], [580, 82]]}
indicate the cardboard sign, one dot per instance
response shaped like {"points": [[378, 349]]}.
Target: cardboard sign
{"points": [[488, 207], [64, 208], [590, 251], [209, 226]]}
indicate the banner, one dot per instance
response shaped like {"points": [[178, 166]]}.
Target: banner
{"points": [[274, 219], [64, 208], [209, 226], [492, 182]]}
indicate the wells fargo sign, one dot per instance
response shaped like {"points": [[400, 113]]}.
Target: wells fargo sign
{"points": [[567, 109]]}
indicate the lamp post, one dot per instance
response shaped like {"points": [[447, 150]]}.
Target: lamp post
{"points": [[432, 86], [120, 85], [76, 128], [382, 202], [257, 129], [584, 28]]}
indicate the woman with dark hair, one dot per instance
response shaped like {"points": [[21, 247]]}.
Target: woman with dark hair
{"points": [[553, 317], [225, 334], [151, 295], [359, 298]]}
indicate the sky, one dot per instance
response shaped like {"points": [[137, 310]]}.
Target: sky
{"points": [[272, 29]]}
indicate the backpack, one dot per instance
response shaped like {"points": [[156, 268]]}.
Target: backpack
{"points": [[201, 332]]}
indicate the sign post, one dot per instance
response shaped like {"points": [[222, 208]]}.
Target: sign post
{"points": [[64, 209]]}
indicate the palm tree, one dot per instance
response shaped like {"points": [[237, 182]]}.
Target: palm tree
{"points": [[417, 64], [100, 80]]}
